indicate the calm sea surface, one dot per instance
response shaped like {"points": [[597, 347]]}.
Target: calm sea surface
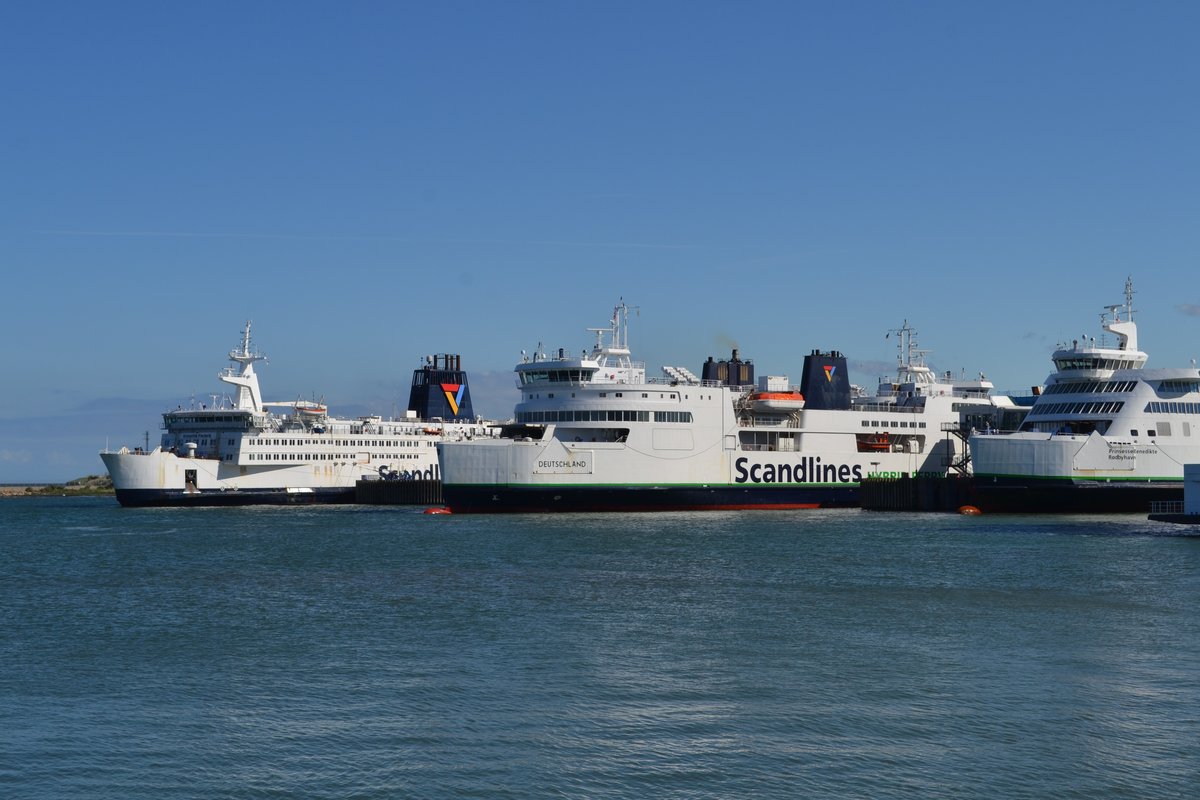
{"points": [[368, 652]]}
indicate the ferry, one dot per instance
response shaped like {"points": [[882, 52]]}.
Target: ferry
{"points": [[592, 432], [1106, 434], [243, 450]]}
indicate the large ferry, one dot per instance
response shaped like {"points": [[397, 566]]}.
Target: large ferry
{"points": [[592, 432], [1105, 435], [245, 450]]}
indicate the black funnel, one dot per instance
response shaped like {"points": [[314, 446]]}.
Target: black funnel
{"points": [[826, 383], [439, 389]]}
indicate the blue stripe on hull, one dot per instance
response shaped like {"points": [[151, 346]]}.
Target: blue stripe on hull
{"points": [[1024, 495], [517, 499], [158, 498]]}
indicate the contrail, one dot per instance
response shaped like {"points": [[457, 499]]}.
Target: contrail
{"points": [[359, 238]]}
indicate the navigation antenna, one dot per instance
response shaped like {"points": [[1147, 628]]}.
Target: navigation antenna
{"points": [[909, 353], [1112, 313], [244, 356], [619, 330]]}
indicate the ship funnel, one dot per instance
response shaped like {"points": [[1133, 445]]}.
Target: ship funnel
{"points": [[439, 390], [826, 383]]}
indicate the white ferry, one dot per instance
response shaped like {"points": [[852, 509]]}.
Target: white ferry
{"points": [[1105, 435], [241, 452], [593, 433]]}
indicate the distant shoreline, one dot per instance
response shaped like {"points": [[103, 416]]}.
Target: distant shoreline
{"points": [[17, 489], [56, 489], [91, 485]]}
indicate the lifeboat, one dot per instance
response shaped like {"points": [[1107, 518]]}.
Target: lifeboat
{"points": [[776, 402], [874, 443], [310, 409]]}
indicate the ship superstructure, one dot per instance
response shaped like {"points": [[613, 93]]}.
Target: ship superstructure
{"points": [[243, 450]]}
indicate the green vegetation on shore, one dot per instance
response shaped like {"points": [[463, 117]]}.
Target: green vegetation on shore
{"points": [[87, 485]]}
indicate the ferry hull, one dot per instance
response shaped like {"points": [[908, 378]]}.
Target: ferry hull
{"points": [[1029, 495], [158, 479], [463, 499], [161, 498]]}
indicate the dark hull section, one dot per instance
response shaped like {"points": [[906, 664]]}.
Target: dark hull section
{"points": [[158, 498], [1016, 495], [524, 499]]}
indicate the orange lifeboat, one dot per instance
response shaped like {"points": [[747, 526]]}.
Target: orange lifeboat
{"points": [[777, 402], [874, 443]]}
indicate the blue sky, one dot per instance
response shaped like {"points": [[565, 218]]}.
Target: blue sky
{"points": [[372, 182]]}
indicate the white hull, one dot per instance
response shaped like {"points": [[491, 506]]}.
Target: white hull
{"points": [[157, 477], [1078, 458], [825, 451]]}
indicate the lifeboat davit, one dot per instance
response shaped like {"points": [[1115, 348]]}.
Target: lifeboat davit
{"points": [[777, 402]]}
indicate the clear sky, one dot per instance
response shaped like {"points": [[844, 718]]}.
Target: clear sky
{"points": [[370, 182]]}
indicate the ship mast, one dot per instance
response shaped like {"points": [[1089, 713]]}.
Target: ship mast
{"points": [[910, 359], [616, 355], [249, 398], [1125, 329]]}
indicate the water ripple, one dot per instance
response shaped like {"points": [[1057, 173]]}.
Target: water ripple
{"points": [[381, 653]]}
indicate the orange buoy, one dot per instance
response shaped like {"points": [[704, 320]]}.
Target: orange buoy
{"points": [[437, 510], [970, 511]]}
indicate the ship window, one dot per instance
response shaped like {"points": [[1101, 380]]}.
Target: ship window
{"points": [[1179, 386], [866, 423], [1164, 429], [1133, 433]]}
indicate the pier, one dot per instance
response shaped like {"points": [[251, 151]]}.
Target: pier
{"points": [[1185, 511], [398, 493], [920, 493]]}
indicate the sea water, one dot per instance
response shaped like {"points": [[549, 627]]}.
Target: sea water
{"points": [[376, 652]]}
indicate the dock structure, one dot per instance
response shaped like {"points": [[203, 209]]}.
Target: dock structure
{"points": [[398, 493], [1186, 511], [919, 493]]}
